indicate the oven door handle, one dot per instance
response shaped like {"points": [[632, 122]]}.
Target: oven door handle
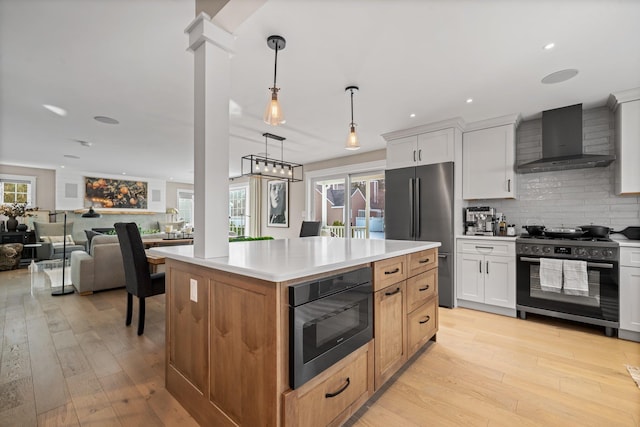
{"points": [[589, 264]]}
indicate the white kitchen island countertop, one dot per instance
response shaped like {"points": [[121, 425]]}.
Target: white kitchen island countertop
{"points": [[280, 260]]}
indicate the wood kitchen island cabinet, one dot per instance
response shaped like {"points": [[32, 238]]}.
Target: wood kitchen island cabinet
{"points": [[227, 331]]}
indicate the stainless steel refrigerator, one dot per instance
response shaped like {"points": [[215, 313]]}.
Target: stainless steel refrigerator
{"points": [[419, 206]]}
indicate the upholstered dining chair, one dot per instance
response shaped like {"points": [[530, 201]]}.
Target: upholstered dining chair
{"points": [[310, 228], [139, 281]]}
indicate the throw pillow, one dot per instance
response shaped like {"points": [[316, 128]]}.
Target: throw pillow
{"points": [[58, 240]]}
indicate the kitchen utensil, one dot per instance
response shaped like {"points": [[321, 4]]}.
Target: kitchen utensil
{"points": [[534, 230], [597, 231], [632, 233], [564, 233]]}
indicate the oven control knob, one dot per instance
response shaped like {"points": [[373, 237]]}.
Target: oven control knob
{"points": [[581, 251], [536, 249], [546, 249], [608, 253], [526, 248], [594, 252]]}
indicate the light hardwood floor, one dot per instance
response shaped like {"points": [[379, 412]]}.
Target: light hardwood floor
{"points": [[71, 361]]}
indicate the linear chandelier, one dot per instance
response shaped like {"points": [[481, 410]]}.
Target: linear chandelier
{"points": [[267, 167]]}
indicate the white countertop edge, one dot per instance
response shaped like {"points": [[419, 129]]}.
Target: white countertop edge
{"points": [[185, 253], [629, 243], [505, 238]]}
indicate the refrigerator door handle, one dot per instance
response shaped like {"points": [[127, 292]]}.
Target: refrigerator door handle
{"points": [[411, 207], [443, 255], [418, 207]]}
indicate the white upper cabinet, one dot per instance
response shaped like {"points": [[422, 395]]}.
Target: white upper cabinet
{"points": [[422, 149], [488, 162], [627, 142]]}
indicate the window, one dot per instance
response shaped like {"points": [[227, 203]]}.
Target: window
{"points": [[349, 201], [238, 209], [185, 206], [17, 189]]}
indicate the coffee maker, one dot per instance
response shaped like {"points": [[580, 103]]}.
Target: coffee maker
{"points": [[479, 221]]}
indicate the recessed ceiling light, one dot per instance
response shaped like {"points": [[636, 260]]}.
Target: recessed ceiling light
{"points": [[124, 173], [412, 115], [469, 100], [560, 76], [549, 46], [71, 156], [107, 120], [61, 166], [55, 109]]}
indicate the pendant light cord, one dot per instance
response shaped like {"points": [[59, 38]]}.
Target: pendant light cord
{"points": [[275, 68], [351, 90]]}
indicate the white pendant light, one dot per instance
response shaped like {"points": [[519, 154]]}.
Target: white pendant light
{"points": [[352, 140], [273, 114]]}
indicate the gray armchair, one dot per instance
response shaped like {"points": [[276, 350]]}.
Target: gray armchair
{"points": [[50, 235]]}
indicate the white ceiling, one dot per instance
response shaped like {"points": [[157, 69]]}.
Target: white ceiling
{"points": [[127, 59]]}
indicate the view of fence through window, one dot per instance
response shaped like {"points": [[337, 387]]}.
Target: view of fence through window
{"points": [[365, 206]]}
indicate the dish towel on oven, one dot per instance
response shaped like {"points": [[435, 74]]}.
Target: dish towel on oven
{"points": [[550, 274], [576, 281]]}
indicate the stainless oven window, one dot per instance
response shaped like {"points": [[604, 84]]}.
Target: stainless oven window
{"points": [[593, 300]]}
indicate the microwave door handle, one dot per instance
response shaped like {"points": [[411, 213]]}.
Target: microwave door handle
{"points": [[411, 224]]}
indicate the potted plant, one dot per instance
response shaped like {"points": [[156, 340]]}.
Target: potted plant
{"points": [[13, 211]]}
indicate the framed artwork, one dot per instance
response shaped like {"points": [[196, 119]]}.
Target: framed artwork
{"points": [[278, 205], [115, 193]]}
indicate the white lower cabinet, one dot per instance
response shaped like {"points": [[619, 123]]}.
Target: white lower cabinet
{"points": [[486, 276], [629, 293]]}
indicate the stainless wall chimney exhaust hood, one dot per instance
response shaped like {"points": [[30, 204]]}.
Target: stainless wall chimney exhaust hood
{"points": [[562, 143]]}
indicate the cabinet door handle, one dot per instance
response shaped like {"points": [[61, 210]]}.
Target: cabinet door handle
{"points": [[509, 185], [423, 289], [420, 155], [484, 247], [414, 155], [480, 265], [392, 292], [392, 271], [423, 261], [422, 322], [487, 267], [343, 388]]}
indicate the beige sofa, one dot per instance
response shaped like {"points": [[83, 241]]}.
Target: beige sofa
{"points": [[100, 269]]}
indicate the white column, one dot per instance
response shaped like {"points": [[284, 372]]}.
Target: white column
{"points": [[212, 47]]}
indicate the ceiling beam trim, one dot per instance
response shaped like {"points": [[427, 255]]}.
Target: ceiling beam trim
{"points": [[202, 29]]}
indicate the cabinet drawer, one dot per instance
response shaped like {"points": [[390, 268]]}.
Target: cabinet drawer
{"points": [[389, 271], [420, 288], [422, 324], [487, 247], [422, 261], [630, 257], [333, 395]]}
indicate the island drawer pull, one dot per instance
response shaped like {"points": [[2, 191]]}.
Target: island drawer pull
{"points": [[423, 261], [392, 292], [392, 271], [423, 289], [422, 322], [484, 247], [343, 388]]}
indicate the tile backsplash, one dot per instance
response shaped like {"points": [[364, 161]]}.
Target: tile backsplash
{"points": [[573, 197]]}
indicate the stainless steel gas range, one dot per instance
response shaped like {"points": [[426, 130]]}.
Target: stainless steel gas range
{"points": [[575, 279]]}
